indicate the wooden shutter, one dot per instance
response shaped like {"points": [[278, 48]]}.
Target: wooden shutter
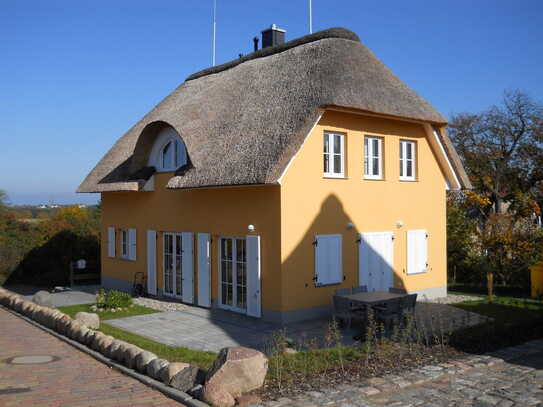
{"points": [[204, 270], [328, 259], [254, 307], [417, 251], [132, 248], [151, 262], [111, 241], [188, 266]]}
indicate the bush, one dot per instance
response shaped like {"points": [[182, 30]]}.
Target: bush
{"points": [[112, 299]]}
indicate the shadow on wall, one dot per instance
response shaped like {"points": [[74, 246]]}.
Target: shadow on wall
{"points": [[48, 265]]}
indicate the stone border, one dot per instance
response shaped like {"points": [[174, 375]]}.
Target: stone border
{"points": [[170, 392], [376, 385]]}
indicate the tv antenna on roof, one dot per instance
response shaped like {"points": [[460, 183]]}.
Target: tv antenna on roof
{"points": [[214, 28], [310, 18]]}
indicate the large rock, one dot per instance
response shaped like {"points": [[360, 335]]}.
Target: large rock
{"points": [[188, 378], [80, 337], [62, 324], [43, 298], [98, 336], [118, 354], [104, 343], [215, 395], [88, 319], [155, 366], [143, 359], [130, 355], [238, 370], [167, 374], [112, 348]]}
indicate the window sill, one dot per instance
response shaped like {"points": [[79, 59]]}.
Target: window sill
{"points": [[373, 179], [334, 177], [327, 284], [408, 180], [418, 272]]}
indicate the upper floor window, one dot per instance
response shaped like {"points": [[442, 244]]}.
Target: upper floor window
{"points": [[408, 151], [373, 157], [169, 152], [334, 155]]}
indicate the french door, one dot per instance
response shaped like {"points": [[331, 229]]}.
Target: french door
{"points": [[233, 274], [173, 260]]}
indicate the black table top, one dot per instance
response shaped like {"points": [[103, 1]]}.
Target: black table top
{"points": [[373, 297]]}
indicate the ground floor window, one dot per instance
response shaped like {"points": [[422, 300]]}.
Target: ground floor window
{"points": [[172, 257], [233, 273]]}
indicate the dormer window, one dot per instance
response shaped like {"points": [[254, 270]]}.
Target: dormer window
{"points": [[169, 152]]}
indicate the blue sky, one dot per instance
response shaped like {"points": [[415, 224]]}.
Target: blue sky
{"points": [[75, 75]]}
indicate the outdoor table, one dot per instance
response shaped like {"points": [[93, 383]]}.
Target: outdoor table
{"points": [[372, 297]]}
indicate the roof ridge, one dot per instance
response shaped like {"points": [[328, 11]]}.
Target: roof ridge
{"points": [[335, 32]]}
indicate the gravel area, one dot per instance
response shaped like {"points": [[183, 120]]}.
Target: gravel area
{"points": [[160, 305], [451, 299]]}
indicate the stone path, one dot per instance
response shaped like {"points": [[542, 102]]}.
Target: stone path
{"points": [[62, 376], [509, 378]]}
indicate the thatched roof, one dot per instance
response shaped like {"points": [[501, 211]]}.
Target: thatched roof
{"points": [[244, 120]]}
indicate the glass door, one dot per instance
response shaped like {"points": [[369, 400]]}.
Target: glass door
{"points": [[172, 261], [233, 274]]}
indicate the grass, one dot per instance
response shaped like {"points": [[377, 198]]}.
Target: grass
{"points": [[505, 310], [171, 353], [71, 310]]}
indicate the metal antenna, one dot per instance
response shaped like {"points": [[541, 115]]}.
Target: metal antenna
{"points": [[214, 28], [310, 18]]}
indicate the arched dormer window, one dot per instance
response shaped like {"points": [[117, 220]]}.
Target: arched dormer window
{"points": [[169, 152]]}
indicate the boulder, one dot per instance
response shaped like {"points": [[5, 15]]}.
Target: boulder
{"points": [[17, 304], [95, 344], [130, 355], [155, 366], [197, 392], [143, 359], [238, 370], [89, 338], [118, 354], [62, 324], [25, 309], [110, 350], [43, 298], [80, 337], [215, 395], [88, 319], [188, 378], [72, 329], [104, 343], [167, 374]]}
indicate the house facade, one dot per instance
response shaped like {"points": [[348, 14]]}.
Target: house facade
{"points": [[263, 185]]}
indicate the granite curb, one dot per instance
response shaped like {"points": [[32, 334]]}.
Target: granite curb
{"points": [[345, 393], [170, 392]]}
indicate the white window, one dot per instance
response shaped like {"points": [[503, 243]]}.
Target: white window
{"points": [[417, 251], [334, 156], [408, 151], [373, 158], [128, 244], [169, 152], [328, 263]]}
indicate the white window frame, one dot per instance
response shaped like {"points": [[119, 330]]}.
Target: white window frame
{"points": [[234, 306], [326, 279], [369, 155], [156, 159], [332, 173], [125, 244], [404, 160]]}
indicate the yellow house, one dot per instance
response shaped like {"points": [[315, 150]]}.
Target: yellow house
{"points": [[263, 185]]}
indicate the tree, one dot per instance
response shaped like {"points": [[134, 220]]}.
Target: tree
{"points": [[502, 149]]}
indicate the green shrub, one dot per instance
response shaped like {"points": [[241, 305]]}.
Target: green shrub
{"points": [[112, 299]]}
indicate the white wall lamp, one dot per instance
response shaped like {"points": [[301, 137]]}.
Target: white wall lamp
{"points": [[399, 224], [350, 226], [251, 228]]}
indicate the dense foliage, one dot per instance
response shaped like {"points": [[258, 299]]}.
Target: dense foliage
{"points": [[112, 299], [40, 252], [493, 230]]}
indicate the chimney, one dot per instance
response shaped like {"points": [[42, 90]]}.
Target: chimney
{"points": [[272, 36], [255, 41]]}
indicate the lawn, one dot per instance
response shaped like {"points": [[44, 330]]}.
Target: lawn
{"points": [[505, 310], [171, 353]]}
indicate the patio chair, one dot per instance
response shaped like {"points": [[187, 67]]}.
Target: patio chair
{"points": [[342, 291], [342, 310], [388, 313], [360, 289], [408, 302], [397, 290]]}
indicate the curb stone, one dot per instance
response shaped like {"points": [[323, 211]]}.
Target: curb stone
{"points": [[170, 392], [384, 384]]}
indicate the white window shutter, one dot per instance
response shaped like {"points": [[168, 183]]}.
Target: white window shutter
{"points": [[254, 307], [188, 266], [328, 259], [111, 241], [417, 251], [132, 248], [151, 262], [204, 270]]}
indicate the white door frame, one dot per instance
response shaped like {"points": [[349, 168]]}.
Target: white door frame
{"points": [[174, 288], [234, 274]]}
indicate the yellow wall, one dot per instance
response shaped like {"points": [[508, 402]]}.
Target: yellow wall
{"points": [[220, 211], [536, 278], [311, 205]]}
